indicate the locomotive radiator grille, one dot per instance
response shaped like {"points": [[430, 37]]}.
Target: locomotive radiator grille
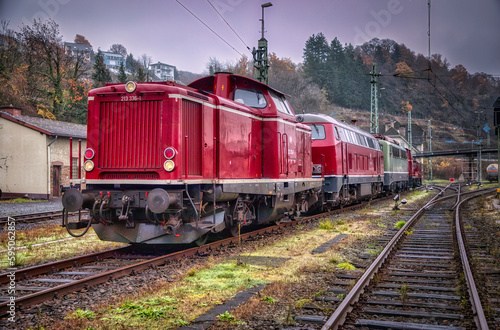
{"points": [[129, 135]]}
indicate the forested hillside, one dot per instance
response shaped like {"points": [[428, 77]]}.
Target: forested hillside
{"points": [[432, 88]]}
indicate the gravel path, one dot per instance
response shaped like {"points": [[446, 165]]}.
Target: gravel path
{"points": [[13, 209]]}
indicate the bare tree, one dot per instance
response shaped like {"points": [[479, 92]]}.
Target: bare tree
{"points": [[118, 49], [214, 65], [79, 39], [44, 53], [145, 62]]}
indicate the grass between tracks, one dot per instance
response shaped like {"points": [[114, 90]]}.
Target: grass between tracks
{"points": [[41, 244], [21, 200], [290, 272]]}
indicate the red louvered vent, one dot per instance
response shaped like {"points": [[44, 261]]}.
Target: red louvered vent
{"points": [[136, 176], [191, 131], [130, 135]]}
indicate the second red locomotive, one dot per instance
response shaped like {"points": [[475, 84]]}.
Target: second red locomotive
{"points": [[349, 159]]}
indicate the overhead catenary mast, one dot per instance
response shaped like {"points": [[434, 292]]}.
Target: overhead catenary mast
{"points": [[261, 62], [374, 100]]}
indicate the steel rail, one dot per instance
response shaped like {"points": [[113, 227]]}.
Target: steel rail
{"points": [[31, 217], [339, 315], [61, 264], [477, 307], [463, 193]]}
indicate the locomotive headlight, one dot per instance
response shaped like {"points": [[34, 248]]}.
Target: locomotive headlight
{"points": [[88, 166], [169, 153], [89, 153], [169, 165], [130, 86]]}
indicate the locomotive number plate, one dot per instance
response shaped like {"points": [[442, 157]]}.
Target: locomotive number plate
{"points": [[131, 98]]}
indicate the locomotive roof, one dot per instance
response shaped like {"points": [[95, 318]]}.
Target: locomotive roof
{"points": [[200, 81], [392, 142], [322, 118]]}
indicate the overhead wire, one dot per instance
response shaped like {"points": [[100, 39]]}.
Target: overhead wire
{"points": [[229, 25], [396, 75], [208, 27], [444, 95]]}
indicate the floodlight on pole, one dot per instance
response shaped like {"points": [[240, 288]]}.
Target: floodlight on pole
{"points": [[260, 54]]}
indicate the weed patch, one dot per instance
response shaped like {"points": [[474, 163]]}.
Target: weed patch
{"points": [[399, 224], [227, 317], [82, 314], [270, 300], [21, 200], [346, 266], [326, 224], [301, 303]]}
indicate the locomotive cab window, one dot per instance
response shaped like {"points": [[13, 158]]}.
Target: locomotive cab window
{"points": [[281, 103], [337, 137], [318, 132], [251, 98], [342, 134]]}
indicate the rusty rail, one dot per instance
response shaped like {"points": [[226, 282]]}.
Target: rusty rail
{"points": [[479, 317], [32, 217], [338, 317]]}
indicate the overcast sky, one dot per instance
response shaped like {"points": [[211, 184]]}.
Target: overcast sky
{"points": [[464, 31]]}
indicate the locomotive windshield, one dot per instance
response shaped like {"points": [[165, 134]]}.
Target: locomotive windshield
{"points": [[318, 132], [251, 98]]}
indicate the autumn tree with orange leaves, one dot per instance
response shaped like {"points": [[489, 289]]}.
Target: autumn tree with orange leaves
{"points": [[37, 74]]}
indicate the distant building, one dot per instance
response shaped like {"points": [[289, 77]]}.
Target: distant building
{"points": [[399, 132], [113, 60], [75, 50], [35, 154], [162, 71]]}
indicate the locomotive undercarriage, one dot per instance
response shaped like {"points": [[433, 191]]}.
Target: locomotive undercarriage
{"points": [[341, 191], [182, 214]]}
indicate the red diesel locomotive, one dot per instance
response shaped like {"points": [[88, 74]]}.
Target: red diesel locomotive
{"points": [[168, 163], [415, 176], [349, 159]]}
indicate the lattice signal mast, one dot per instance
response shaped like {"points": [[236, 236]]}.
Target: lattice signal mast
{"points": [[374, 100]]}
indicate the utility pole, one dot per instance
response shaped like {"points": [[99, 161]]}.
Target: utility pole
{"points": [[479, 162], [496, 123], [260, 54], [374, 100], [410, 138], [430, 148]]}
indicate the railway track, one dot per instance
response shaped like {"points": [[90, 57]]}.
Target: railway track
{"points": [[36, 217], [419, 280], [484, 250], [43, 282]]}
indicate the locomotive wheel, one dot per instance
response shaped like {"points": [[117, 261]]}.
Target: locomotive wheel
{"points": [[201, 240], [233, 231]]}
